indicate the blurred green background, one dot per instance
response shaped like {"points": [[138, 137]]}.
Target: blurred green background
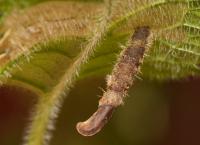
{"points": [[154, 114]]}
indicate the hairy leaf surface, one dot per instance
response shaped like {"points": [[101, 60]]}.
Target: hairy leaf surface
{"points": [[46, 46]]}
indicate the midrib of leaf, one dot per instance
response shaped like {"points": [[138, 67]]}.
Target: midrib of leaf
{"points": [[49, 105], [157, 3], [143, 8]]}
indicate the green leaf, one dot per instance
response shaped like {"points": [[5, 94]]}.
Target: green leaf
{"points": [[175, 52], [44, 52], [46, 46]]}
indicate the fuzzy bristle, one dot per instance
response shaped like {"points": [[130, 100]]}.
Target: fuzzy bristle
{"points": [[45, 22]]}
